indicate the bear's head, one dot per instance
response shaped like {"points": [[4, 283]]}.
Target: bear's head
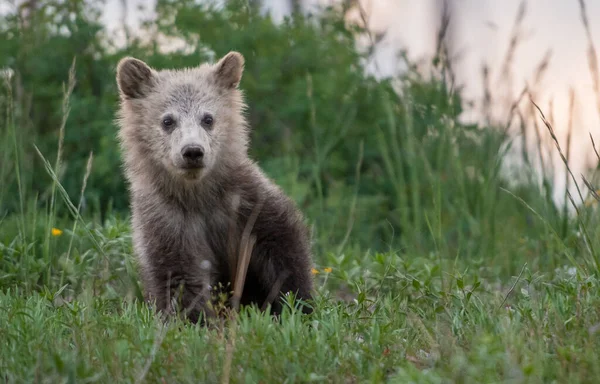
{"points": [[188, 121]]}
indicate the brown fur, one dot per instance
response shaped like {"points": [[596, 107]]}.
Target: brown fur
{"points": [[187, 219]]}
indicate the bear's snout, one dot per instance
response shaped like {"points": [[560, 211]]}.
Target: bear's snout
{"points": [[193, 156]]}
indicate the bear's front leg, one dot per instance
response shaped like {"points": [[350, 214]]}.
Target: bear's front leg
{"points": [[184, 293], [278, 272]]}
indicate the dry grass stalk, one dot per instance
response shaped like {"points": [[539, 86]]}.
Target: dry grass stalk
{"points": [[568, 156], [539, 142], [515, 38], [592, 54], [546, 173], [582, 226], [505, 79], [539, 72], [561, 154], [524, 141], [442, 50], [66, 109], [246, 246], [444, 28], [593, 191], [595, 73], [542, 68], [350, 224], [513, 108], [88, 172], [487, 95], [594, 146]]}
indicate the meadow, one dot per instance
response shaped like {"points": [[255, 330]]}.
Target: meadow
{"points": [[435, 262]]}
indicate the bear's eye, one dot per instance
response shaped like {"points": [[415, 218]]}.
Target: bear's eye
{"points": [[168, 123], [207, 121]]}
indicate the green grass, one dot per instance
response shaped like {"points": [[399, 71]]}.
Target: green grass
{"points": [[407, 320], [380, 317]]}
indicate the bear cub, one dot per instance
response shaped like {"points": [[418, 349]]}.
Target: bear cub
{"points": [[197, 200]]}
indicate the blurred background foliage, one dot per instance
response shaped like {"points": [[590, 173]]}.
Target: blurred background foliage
{"points": [[375, 164]]}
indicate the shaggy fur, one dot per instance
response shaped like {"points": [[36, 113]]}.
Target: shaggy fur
{"points": [[189, 212]]}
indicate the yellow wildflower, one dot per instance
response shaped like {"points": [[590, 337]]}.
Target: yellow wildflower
{"points": [[314, 271], [56, 232], [327, 270]]}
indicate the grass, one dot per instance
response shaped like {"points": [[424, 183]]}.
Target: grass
{"points": [[489, 282], [529, 328]]}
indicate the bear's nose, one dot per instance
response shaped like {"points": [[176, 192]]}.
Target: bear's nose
{"points": [[192, 153]]}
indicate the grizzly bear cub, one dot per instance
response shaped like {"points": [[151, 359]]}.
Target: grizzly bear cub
{"points": [[195, 193]]}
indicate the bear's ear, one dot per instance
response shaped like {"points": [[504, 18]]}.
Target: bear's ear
{"points": [[228, 70], [134, 78]]}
